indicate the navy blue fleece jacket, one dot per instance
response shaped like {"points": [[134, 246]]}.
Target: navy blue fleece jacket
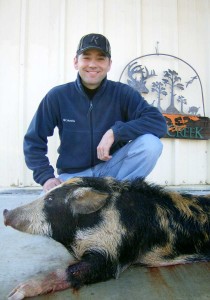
{"points": [[82, 123]]}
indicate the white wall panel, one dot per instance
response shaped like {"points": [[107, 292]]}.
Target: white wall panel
{"points": [[9, 90], [159, 23], [38, 40], [123, 27], [185, 25]]}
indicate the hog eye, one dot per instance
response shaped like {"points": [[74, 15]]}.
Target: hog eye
{"points": [[49, 199], [49, 203]]}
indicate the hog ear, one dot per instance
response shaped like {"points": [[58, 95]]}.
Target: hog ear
{"points": [[86, 201]]}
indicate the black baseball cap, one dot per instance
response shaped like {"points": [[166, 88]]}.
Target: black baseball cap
{"points": [[94, 41]]}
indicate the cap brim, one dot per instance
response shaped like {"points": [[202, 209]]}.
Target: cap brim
{"points": [[88, 48]]}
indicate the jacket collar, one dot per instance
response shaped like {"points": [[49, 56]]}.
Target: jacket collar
{"points": [[80, 86]]}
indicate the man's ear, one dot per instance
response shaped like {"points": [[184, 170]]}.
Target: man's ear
{"points": [[87, 200], [76, 62], [110, 65]]}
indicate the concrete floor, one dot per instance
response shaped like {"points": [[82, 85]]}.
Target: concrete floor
{"points": [[22, 256]]}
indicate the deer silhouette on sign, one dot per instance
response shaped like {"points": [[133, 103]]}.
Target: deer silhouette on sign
{"points": [[138, 76]]}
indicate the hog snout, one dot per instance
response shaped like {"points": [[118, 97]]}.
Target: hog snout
{"points": [[8, 217], [14, 219], [28, 218], [5, 214]]}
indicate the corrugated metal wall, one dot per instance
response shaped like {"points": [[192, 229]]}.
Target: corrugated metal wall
{"points": [[38, 39]]}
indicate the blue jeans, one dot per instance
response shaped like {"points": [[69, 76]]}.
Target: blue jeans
{"points": [[135, 159]]}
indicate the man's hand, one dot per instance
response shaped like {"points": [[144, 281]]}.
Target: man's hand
{"points": [[105, 145], [51, 183]]}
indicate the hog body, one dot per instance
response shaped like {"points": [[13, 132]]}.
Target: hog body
{"points": [[109, 225]]}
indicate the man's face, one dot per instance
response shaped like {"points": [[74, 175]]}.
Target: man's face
{"points": [[93, 67]]}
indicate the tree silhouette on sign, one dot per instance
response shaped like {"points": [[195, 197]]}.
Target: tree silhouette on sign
{"points": [[160, 90], [182, 100], [172, 79]]}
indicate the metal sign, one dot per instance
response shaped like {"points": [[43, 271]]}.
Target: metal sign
{"points": [[174, 87]]}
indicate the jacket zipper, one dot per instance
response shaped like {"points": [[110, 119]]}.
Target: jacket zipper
{"points": [[91, 131]]}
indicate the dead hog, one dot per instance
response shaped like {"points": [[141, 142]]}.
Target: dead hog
{"points": [[109, 225]]}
